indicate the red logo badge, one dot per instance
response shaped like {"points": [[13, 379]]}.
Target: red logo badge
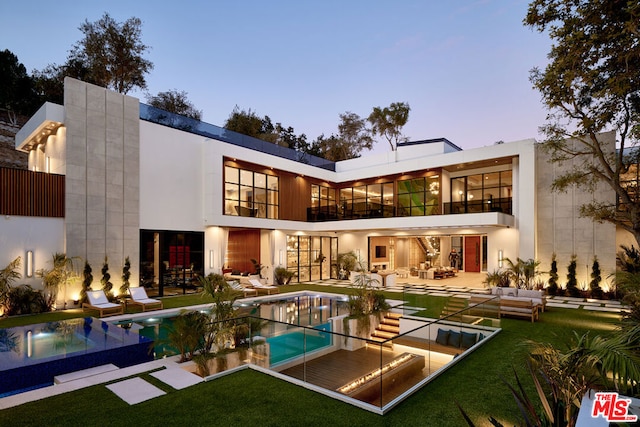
{"points": [[612, 408]]}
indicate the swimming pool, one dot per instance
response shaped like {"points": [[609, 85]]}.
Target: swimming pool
{"points": [[300, 309], [291, 345], [31, 356]]}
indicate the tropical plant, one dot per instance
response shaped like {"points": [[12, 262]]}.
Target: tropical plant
{"points": [[58, 276], [628, 259], [221, 330], [596, 278], [87, 280], [187, 332], [283, 276], [257, 267], [24, 299], [572, 281], [500, 278], [347, 262], [105, 281], [364, 301], [553, 276], [561, 378], [126, 275], [523, 273], [8, 275]]}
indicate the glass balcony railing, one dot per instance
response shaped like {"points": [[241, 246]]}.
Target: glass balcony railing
{"points": [[345, 359], [207, 130], [375, 210], [478, 206]]}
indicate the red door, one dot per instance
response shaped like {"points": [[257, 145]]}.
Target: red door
{"points": [[472, 254]]}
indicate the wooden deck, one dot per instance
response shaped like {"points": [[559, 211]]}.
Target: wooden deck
{"points": [[340, 367]]}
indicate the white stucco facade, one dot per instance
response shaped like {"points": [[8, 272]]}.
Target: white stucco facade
{"points": [[124, 175]]}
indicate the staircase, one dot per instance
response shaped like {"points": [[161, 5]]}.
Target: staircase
{"points": [[388, 328]]}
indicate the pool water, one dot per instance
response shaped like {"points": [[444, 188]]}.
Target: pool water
{"points": [[294, 344], [33, 355]]}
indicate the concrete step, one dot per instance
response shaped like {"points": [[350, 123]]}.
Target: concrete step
{"points": [[389, 328], [388, 321], [384, 334], [391, 315], [61, 379]]}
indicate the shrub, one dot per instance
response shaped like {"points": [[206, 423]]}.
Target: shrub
{"points": [[596, 278], [283, 276], [572, 281], [553, 276]]}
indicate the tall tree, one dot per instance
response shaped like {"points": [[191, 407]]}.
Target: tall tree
{"points": [[247, 122], [18, 94], [389, 121], [112, 53], [592, 85], [353, 137], [175, 101]]}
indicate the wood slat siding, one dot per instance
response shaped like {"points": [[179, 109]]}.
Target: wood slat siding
{"points": [[26, 193]]}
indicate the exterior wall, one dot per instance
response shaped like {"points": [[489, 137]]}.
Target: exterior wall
{"points": [[19, 234], [102, 164], [171, 179], [560, 228], [124, 174]]}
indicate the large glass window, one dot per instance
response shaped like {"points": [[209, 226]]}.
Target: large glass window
{"points": [[323, 203], [366, 201], [419, 196], [248, 193], [488, 192], [312, 257]]}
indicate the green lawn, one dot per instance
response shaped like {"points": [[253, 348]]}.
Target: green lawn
{"points": [[252, 398]]}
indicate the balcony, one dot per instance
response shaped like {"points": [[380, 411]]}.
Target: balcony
{"points": [[375, 210], [503, 205]]}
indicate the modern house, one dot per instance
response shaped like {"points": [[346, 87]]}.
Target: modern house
{"points": [[111, 177]]}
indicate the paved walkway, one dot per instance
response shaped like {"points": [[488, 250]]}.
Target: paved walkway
{"points": [[132, 390], [466, 284], [136, 390]]}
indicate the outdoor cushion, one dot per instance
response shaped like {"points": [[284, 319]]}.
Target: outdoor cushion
{"points": [[468, 340], [97, 298], [443, 337], [454, 339]]}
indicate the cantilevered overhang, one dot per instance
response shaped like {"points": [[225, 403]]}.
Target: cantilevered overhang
{"points": [[43, 123], [433, 222]]}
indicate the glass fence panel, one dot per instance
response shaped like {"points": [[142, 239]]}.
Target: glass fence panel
{"points": [[343, 355]]}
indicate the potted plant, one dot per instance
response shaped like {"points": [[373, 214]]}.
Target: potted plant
{"points": [[347, 262], [283, 276]]}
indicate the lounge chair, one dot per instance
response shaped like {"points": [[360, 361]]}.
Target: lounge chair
{"points": [[139, 297], [236, 286], [264, 288], [98, 301]]}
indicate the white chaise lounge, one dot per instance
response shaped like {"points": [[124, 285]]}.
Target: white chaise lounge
{"points": [[139, 297], [98, 301]]}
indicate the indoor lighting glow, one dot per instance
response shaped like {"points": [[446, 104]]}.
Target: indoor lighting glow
{"points": [[29, 264]]}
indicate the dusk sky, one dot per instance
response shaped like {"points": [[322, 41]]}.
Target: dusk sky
{"points": [[463, 66]]}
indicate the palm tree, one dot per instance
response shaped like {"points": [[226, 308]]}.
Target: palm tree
{"points": [[523, 272], [8, 275], [589, 363], [58, 276]]}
